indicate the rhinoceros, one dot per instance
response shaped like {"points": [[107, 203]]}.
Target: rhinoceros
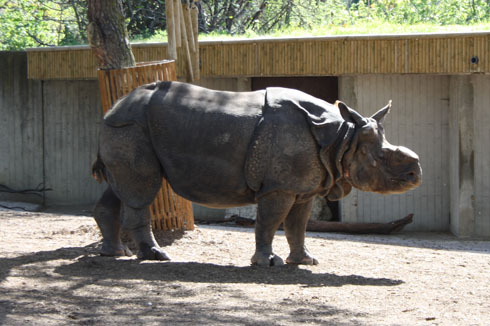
{"points": [[277, 147]]}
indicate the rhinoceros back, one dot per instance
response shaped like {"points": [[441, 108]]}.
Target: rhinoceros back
{"points": [[131, 108], [201, 137]]}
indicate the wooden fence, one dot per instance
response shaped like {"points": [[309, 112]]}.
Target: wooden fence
{"points": [[457, 53]]}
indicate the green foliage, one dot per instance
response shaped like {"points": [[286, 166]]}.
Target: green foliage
{"points": [[270, 16], [30, 23], [439, 12], [144, 18]]}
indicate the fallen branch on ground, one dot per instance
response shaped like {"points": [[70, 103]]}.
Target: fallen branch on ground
{"points": [[340, 227], [360, 228]]}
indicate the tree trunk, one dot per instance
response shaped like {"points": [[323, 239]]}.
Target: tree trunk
{"points": [[107, 34]]}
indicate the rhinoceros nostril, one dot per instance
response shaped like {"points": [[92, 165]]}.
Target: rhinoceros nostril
{"points": [[411, 176]]}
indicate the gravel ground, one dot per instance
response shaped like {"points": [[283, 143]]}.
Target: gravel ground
{"points": [[51, 274]]}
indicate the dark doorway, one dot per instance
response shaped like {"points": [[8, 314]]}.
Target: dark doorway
{"points": [[325, 88]]}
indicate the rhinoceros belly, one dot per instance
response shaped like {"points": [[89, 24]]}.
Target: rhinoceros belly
{"points": [[201, 137]]}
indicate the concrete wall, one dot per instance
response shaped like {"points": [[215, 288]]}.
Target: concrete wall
{"points": [[419, 121], [72, 114], [49, 134], [445, 119], [21, 150]]}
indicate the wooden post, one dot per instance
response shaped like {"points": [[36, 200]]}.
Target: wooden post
{"points": [[185, 41], [182, 31], [188, 26], [195, 55], [170, 13], [178, 36]]}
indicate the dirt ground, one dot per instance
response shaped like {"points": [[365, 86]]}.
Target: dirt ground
{"points": [[51, 274]]}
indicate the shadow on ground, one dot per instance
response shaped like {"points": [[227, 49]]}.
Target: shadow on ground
{"points": [[86, 263], [172, 298], [80, 268]]}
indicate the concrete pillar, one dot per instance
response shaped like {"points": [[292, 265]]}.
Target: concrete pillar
{"points": [[462, 165]]}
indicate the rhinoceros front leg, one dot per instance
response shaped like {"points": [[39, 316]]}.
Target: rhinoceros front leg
{"points": [[295, 228], [271, 212], [107, 216]]}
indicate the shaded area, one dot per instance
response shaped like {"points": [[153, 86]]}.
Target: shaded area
{"points": [[88, 265], [357, 285], [211, 273], [177, 310], [94, 290]]}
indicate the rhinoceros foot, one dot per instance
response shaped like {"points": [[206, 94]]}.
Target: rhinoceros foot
{"points": [[111, 250], [261, 259], [152, 253], [301, 259]]}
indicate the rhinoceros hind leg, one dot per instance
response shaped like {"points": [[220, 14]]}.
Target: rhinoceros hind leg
{"points": [[295, 227], [272, 210], [107, 216], [137, 221], [135, 175], [152, 253]]}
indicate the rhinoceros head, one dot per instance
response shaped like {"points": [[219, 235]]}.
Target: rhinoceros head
{"points": [[373, 164]]}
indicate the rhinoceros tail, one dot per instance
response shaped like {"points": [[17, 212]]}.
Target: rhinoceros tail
{"points": [[98, 170]]}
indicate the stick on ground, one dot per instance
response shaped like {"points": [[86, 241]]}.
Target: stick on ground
{"points": [[341, 227]]}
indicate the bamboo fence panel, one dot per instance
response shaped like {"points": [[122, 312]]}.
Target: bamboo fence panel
{"points": [[168, 211], [336, 56]]}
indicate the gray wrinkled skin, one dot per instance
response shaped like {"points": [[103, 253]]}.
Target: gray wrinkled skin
{"points": [[278, 148]]}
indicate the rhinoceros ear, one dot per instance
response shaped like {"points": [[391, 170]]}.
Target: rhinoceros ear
{"points": [[381, 114], [349, 114], [323, 119]]}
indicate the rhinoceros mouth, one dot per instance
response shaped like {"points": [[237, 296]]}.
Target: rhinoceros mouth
{"points": [[387, 185], [399, 185]]}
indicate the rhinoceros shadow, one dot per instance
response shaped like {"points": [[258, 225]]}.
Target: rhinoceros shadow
{"points": [[81, 266], [86, 263], [91, 266]]}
